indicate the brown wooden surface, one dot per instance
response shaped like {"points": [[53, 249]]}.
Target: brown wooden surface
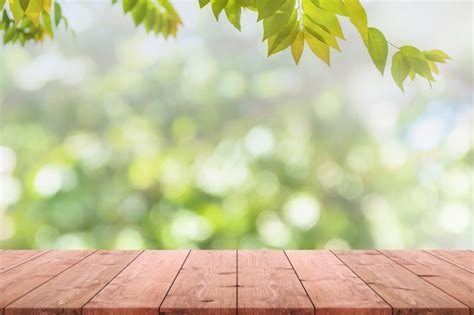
{"points": [[206, 284], [236, 282], [269, 285], [403, 290], [333, 288], [69, 291], [26, 277], [150, 275], [449, 278], [461, 258], [11, 258]]}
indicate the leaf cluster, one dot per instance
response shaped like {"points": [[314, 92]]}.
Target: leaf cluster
{"points": [[287, 24], [25, 20], [159, 17]]}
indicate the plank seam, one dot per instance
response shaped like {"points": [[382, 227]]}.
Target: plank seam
{"points": [[236, 282], [301, 282], [106, 284], [446, 260], [28, 292], [25, 261], [355, 273], [171, 285], [425, 280]]}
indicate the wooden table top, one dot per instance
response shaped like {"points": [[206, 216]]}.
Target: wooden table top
{"points": [[236, 282]]}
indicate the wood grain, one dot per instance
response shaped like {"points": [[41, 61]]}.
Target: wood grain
{"points": [[267, 284], [460, 258], [403, 290], [11, 258], [333, 288], [207, 284], [457, 282], [69, 291], [141, 287], [17, 282]]}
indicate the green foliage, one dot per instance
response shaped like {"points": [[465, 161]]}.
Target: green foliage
{"points": [[287, 24], [159, 17], [378, 48], [29, 20]]}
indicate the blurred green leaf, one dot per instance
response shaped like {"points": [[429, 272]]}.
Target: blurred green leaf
{"points": [[297, 47], [400, 68], [218, 6], [139, 12], [417, 61], [267, 8], [436, 55], [57, 14], [358, 17], [318, 47], [232, 11], [128, 5], [378, 48]]}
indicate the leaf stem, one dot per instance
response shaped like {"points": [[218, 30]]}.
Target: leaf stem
{"points": [[393, 45], [299, 7]]}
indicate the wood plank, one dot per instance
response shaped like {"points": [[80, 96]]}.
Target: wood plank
{"points": [[332, 287], [207, 284], [460, 258], [457, 282], [69, 291], [403, 290], [267, 284], [17, 282], [141, 287], [11, 258]]}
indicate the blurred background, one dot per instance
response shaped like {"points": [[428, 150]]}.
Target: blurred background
{"points": [[111, 138]]}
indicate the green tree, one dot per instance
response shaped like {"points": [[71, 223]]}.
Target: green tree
{"points": [[287, 24]]}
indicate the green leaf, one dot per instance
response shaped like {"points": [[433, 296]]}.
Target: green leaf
{"points": [[400, 68], [22, 39], [47, 5], [436, 55], [149, 19], [24, 4], [114, 2], [16, 10], [323, 18], [334, 6], [46, 19], [358, 17], [275, 43], [433, 67], [128, 5], [8, 36], [318, 32], [318, 47], [158, 22], [272, 25], [267, 8], [2, 4], [378, 48], [412, 75], [417, 61], [139, 12], [218, 6], [203, 3], [34, 10], [297, 47], [57, 13], [249, 4], [232, 11], [283, 40]]}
